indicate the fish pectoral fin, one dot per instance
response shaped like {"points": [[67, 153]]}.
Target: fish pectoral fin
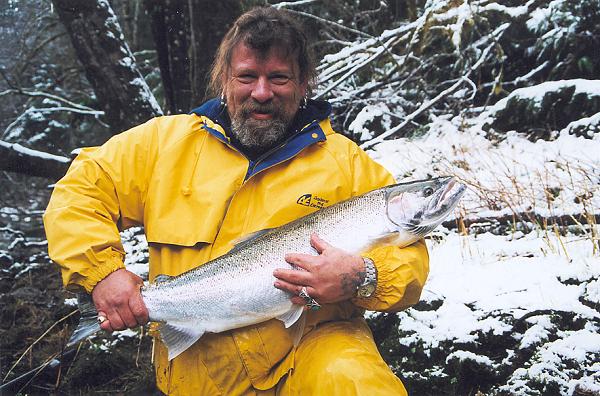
{"points": [[297, 330], [178, 337], [294, 320], [385, 239], [290, 317]]}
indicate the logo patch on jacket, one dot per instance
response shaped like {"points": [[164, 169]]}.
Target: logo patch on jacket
{"points": [[312, 201]]}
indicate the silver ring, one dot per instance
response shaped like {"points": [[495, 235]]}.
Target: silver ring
{"points": [[101, 319], [311, 303]]}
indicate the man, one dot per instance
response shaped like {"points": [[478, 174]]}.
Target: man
{"points": [[198, 182]]}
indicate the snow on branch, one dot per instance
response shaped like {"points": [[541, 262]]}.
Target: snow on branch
{"points": [[16, 158], [48, 96], [429, 66], [287, 4]]}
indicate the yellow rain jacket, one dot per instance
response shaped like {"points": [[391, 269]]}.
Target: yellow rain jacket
{"points": [[194, 193]]}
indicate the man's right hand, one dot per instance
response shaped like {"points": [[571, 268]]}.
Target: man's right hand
{"points": [[117, 297]]}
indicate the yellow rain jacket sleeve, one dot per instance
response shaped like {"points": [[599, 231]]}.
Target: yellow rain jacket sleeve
{"points": [[195, 194], [103, 191]]}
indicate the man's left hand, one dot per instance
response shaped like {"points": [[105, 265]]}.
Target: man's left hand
{"points": [[332, 276]]}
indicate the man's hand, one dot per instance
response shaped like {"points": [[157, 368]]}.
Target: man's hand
{"points": [[117, 297], [332, 276]]}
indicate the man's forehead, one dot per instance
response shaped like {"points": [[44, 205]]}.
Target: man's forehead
{"points": [[243, 55]]}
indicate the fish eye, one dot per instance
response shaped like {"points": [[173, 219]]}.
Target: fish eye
{"points": [[428, 191]]}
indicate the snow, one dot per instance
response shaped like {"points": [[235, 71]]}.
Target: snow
{"points": [[511, 11], [537, 92], [367, 114], [509, 177], [484, 284], [34, 153], [537, 333], [541, 18], [466, 355]]}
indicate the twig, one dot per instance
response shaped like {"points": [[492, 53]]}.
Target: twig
{"points": [[430, 103], [36, 341], [413, 115], [331, 23], [353, 70]]}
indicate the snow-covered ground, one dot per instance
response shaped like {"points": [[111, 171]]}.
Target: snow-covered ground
{"points": [[511, 284]]}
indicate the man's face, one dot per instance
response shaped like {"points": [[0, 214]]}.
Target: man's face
{"points": [[263, 94]]}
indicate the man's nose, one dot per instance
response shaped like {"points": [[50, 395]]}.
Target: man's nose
{"points": [[262, 91]]}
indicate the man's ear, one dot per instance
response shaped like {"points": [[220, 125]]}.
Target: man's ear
{"points": [[303, 89]]}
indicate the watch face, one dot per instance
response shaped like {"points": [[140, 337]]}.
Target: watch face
{"points": [[366, 290]]}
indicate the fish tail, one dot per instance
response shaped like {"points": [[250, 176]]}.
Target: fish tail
{"points": [[88, 320]]}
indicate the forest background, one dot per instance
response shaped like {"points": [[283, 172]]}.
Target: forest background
{"points": [[398, 73]]}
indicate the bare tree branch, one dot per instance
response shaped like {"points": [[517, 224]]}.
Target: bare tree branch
{"points": [[16, 158]]}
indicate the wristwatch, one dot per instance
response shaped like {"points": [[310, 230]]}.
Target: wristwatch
{"points": [[367, 288]]}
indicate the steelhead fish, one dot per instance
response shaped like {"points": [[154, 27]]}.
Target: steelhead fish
{"points": [[236, 289]]}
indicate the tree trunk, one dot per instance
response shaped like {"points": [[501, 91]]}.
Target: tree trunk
{"points": [[209, 21], [109, 65], [16, 158], [170, 19], [187, 34]]}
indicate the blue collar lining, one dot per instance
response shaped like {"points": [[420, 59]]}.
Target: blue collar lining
{"points": [[306, 123]]}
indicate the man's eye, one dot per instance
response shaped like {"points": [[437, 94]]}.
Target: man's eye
{"points": [[280, 80], [245, 78]]}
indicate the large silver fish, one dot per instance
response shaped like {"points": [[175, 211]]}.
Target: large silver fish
{"points": [[236, 289]]}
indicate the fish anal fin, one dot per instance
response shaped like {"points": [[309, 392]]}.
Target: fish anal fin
{"points": [[178, 337]]}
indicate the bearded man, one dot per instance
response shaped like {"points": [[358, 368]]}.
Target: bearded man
{"points": [[239, 163]]}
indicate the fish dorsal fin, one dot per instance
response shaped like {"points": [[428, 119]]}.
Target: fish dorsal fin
{"points": [[247, 239], [178, 337], [162, 278]]}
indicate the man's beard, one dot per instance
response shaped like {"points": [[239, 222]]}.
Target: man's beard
{"points": [[259, 136]]}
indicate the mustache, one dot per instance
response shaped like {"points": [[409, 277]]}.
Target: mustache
{"points": [[256, 107]]}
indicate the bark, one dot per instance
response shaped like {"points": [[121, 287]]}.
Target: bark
{"points": [[109, 64], [169, 22], [187, 34], [16, 158], [206, 37]]}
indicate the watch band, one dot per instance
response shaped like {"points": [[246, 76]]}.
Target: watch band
{"points": [[369, 284]]}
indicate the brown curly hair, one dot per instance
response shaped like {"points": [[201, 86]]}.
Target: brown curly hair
{"points": [[261, 29]]}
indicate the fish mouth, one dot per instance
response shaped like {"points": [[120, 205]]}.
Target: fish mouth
{"points": [[444, 200]]}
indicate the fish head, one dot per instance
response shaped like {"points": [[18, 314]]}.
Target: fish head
{"points": [[419, 207]]}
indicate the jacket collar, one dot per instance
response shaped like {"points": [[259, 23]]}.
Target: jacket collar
{"points": [[305, 127]]}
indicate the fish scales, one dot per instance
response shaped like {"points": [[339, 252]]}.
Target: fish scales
{"points": [[225, 304]]}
